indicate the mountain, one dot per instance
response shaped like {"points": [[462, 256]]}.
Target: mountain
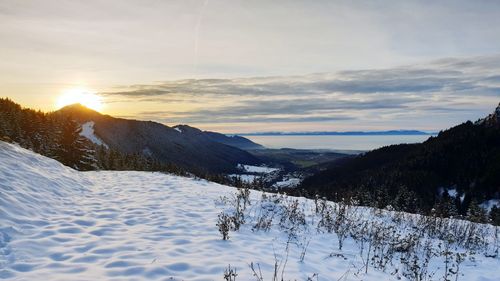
{"points": [[58, 136], [233, 140], [455, 170], [183, 146], [348, 133]]}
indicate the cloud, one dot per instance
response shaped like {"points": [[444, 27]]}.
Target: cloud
{"points": [[244, 119], [443, 87], [282, 110], [140, 93]]}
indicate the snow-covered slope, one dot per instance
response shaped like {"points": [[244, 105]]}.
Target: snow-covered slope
{"points": [[88, 132], [60, 224]]}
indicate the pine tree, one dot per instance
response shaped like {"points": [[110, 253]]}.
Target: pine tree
{"points": [[405, 200], [476, 213], [74, 150], [446, 206], [494, 215]]}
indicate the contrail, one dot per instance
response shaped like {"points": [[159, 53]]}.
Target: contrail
{"points": [[197, 35]]}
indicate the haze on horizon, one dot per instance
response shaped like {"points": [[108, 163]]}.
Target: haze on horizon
{"points": [[249, 66]]}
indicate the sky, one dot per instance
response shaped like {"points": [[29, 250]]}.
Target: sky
{"points": [[252, 66]]}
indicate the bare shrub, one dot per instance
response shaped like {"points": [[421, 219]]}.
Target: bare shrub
{"points": [[452, 258], [230, 274], [237, 219], [243, 198], [304, 246], [416, 265], [224, 224], [279, 268], [266, 213], [293, 218], [227, 222], [406, 244], [326, 221], [264, 221], [222, 200], [342, 222], [493, 247]]}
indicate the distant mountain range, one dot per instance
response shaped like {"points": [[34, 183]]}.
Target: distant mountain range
{"points": [[182, 145], [348, 133]]}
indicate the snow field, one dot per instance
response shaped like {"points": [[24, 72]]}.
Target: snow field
{"points": [[60, 224]]}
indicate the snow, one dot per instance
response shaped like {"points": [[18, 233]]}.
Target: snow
{"points": [[257, 169], [288, 182], [487, 205], [244, 177], [147, 152], [249, 173], [88, 132], [178, 129], [453, 192], [60, 224]]}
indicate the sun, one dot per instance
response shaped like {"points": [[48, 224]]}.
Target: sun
{"points": [[82, 96]]}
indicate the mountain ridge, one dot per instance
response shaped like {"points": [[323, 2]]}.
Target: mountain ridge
{"points": [[345, 133], [192, 148]]}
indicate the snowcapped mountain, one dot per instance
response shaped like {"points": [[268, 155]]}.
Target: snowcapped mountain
{"points": [[184, 146], [60, 224]]}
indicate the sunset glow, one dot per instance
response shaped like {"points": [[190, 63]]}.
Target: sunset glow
{"points": [[345, 65], [81, 96]]}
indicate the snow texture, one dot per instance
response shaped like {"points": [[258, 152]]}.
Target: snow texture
{"points": [[60, 224], [88, 132], [178, 129]]}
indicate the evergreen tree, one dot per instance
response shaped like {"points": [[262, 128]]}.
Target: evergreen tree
{"points": [[405, 200], [494, 215], [446, 206], [74, 150], [476, 213]]}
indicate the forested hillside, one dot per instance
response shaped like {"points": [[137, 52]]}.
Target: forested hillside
{"points": [[450, 174], [184, 146], [57, 135]]}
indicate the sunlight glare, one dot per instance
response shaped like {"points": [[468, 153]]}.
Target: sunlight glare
{"points": [[81, 96]]}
